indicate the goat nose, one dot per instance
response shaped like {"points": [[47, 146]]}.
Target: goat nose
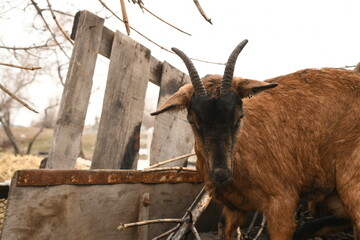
{"points": [[220, 176]]}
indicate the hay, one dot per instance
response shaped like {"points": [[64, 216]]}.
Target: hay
{"points": [[10, 163]]}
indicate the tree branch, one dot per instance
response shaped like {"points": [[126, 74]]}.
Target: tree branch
{"points": [[48, 27], [142, 35], [21, 67], [57, 24], [125, 17], [202, 11], [17, 99], [141, 4]]}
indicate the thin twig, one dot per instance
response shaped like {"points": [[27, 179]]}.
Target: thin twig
{"points": [[48, 27], [170, 160], [263, 222], [179, 169], [195, 232], [252, 223], [122, 226], [167, 232], [142, 35], [140, 3], [17, 99], [29, 48], [202, 11], [58, 24], [125, 17], [21, 67]]}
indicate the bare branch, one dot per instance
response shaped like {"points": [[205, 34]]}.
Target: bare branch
{"points": [[122, 226], [170, 160], [59, 26], [142, 35], [252, 223], [21, 67], [48, 27], [140, 3], [179, 169], [17, 99], [202, 11], [167, 232], [263, 222], [41, 128], [125, 17], [29, 48]]}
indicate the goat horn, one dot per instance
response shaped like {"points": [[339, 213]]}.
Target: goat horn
{"points": [[230, 66], [194, 76]]}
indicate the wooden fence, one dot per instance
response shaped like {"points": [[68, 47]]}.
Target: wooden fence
{"points": [[62, 203]]}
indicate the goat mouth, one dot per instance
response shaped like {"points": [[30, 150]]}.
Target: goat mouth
{"points": [[220, 177]]}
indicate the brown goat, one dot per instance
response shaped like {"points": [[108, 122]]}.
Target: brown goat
{"points": [[298, 136]]}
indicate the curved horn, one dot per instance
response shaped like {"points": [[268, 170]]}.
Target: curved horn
{"points": [[194, 76], [230, 66]]}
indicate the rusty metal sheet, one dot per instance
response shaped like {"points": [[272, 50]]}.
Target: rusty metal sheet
{"points": [[49, 177]]}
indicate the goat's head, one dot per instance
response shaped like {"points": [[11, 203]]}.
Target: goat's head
{"points": [[215, 116]]}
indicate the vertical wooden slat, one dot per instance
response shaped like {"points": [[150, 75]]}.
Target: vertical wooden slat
{"points": [[142, 231], [76, 94], [172, 133], [118, 138]]}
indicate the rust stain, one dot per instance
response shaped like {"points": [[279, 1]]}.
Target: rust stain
{"points": [[49, 177]]}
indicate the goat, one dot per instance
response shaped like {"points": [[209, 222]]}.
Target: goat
{"points": [[298, 136]]}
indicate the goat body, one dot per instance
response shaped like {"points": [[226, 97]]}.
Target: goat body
{"points": [[299, 139]]}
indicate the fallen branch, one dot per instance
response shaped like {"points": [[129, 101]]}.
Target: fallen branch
{"points": [[263, 222], [122, 226], [196, 209], [179, 169], [21, 67], [167, 232], [17, 99], [202, 11], [170, 160]]}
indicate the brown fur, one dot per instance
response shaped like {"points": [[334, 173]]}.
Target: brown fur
{"points": [[300, 139]]}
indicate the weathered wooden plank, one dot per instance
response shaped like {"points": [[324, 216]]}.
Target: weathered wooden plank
{"points": [[36, 177], [118, 136], [90, 212], [172, 133], [106, 46], [76, 94], [144, 202]]}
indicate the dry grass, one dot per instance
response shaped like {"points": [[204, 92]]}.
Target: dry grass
{"points": [[10, 163]]}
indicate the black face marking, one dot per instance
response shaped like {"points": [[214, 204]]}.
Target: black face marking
{"points": [[215, 122]]}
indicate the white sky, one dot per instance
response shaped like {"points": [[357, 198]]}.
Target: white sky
{"points": [[284, 36]]}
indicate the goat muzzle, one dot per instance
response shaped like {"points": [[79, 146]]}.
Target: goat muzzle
{"points": [[220, 177]]}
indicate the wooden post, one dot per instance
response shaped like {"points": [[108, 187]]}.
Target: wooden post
{"points": [[172, 133], [118, 138], [144, 203], [75, 99]]}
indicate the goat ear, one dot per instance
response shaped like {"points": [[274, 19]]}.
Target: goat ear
{"points": [[248, 88], [178, 101]]}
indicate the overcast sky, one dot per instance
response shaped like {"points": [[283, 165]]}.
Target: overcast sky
{"points": [[284, 35]]}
